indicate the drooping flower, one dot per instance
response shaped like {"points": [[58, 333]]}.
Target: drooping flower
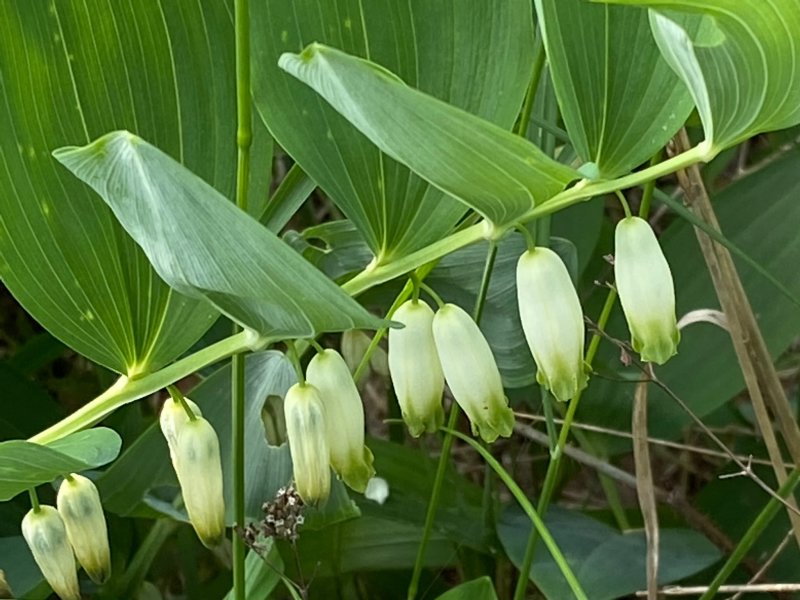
{"points": [[172, 418], [415, 368], [308, 442], [344, 418], [552, 320], [199, 469], [79, 505], [471, 372], [46, 536], [646, 291]]}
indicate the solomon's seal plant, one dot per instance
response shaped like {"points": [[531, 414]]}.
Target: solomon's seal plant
{"points": [[471, 373], [552, 320], [307, 431], [344, 418], [415, 368], [646, 291], [79, 505], [46, 536], [196, 460]]}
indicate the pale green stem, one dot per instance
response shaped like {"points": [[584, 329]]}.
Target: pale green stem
{"points": [[526, 505], [127, 390], [581, 191]]}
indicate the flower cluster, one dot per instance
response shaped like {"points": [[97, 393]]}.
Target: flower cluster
{"points": [[194, 451], [282, 519], [552, 318], [325, 427], [446, 346], [76, 529]]}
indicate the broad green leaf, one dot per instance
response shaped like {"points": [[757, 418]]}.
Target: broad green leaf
{"points": [[619, 99], [607, 563], [410, 474], [498, 174], [22, 574], [369, 544], [294, 189], [70, 72], [24, 465], [477, 589], [205, 247], [742, 66], [474, 55], [705, 373]]}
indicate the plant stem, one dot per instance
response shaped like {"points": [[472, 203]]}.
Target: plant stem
{"points": [[752, 534], [433, 503], [551, 476], [533, 85], [127, 390], [581, 191], [447, 443], [34, 499], [178, 397], [244, 138], [538, 524]]}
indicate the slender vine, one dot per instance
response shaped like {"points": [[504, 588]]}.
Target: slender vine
{"points": [[244, 138]]}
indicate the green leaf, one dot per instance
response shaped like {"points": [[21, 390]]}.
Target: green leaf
{"points": [[24, 465], [71, 72], [607, 563], [619, 99], [369, 544], [477, 589], [205, 247], [262, 575], [738, 59], [22, 573], [410, 474], [498, 174], [474, 55]]}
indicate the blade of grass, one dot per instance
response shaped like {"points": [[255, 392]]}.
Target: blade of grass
{"points": [[523, 501]]}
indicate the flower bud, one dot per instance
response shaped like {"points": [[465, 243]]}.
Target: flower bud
{"points": [[344, 418], [46, 535], [646, 291], [471, 372], [173, 416], [415, 369], [80, 508], [308, 442], [552, 320], [354, 346], [199, 470]]}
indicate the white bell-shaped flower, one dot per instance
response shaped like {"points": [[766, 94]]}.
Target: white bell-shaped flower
{"points": [[646, 291], [415, 369], [79, 505], [344, 418], [307, 431], [471, 372], [552, 320], [199, 469], [46, 536]]}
